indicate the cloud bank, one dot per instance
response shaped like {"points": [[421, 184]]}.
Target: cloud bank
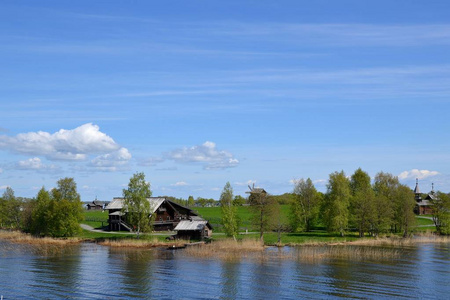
{"points": [[79, 144], [416, 173]]}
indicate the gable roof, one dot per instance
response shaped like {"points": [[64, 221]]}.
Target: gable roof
{"points": [[191, 225], [118, 203], [155, 202]]}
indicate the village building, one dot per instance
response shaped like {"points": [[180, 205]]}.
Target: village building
{"points": [[424, 206], [95, 205], [167, 216], [195, 228]]}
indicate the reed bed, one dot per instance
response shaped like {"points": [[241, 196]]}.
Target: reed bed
{"points": [[314, 254], [144, 243], [25, 238], [400, 242], [227, 249]]}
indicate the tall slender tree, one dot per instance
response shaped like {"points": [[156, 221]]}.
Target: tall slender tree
{"points": [[362, 204], [385, 186], [136, 204], [230, 219], [404, 218], [336, 204], [305, 205], [263, 206]]}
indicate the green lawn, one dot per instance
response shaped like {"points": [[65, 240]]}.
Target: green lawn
{"points": [[95, 218], [214, 216], [423, 221]]}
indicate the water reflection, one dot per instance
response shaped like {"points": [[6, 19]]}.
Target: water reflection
{"points": [[90, 271], [230, 279]]}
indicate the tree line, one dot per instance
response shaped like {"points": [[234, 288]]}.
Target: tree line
{"points": [[350, 203], [355, 203], [54, 213]]}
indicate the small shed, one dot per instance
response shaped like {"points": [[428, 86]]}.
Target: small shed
{"points": [[195, 228]]}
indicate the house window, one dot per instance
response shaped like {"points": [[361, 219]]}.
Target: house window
{"points": [[160, 218], [168, 218]]}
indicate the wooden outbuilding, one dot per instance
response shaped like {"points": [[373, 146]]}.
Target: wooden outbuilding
{"points": [[195, 228]]}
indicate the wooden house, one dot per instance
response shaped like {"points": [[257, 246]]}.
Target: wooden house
{"points": [[167, 214], [95, 205], [193, 229]]}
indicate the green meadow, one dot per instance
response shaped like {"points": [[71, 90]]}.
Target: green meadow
{"points": [[97, 219]]}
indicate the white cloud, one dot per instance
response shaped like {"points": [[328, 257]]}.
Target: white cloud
{"points": [[3, 187], [206, 154], [74, 144], [36, 164], [180, 183], [416, 173], [112, 161]]}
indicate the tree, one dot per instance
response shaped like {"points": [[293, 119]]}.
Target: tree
{"points": [[202, 201], [362, 204], [230, 219], [190, 201], [441, 213], [136, 204], [41, 216], [66, 190], [404, 218], [305, 205], [384, 187], [68, 208], [57, 213], [10, 210], [263, 207], [238, 200], [336, 204]]}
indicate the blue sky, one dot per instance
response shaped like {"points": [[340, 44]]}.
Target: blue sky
{"points": [[198, 93]]}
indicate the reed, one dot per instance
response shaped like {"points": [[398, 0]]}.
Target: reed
{"points": [[227, 249], [25, 238], [144, 243], [358, 253], [426, 237]]}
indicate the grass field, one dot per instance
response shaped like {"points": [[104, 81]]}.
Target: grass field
{"points": [[214, 216], [97, 219]]}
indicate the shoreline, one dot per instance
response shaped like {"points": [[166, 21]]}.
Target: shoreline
{"points": [[25, 238]]}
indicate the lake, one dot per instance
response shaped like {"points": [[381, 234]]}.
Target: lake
{"points": [[91, 271]]}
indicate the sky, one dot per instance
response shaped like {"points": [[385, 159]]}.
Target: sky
{"points": [[199, 93]]}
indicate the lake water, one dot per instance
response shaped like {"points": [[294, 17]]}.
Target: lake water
{"points": [[90, 271]]}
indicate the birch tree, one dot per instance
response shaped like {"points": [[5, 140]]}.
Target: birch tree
{"points": [[230, 219], [336, 204], [136, 204], [305, 206]]}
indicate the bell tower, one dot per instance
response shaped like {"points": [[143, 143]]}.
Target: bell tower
{"points": [[418, 195]]}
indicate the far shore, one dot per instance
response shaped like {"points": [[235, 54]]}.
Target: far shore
{"points": [[149, 241]]}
